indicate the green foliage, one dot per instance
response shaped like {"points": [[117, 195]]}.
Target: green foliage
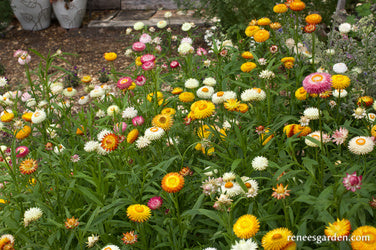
{"points": [[6, 14]]}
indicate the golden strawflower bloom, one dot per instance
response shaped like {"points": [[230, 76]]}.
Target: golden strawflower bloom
{"points": [[280, 8], [364, 238], [168, 111], [163, 121], [28, 166], [243, 107], [338, 228], [176, 91], [297, 6], [301, 130], [86, 79], [23, 133], [251, 30], [232, 104], [313, 19], [27, 116], [301, 94], [80, 131], [186, 97], [172, 182], [110, 56], [247, 55], [261, 36], [132, 135], [264, 21], [373, 131], [138, 213], [275, 25], [246, 226], [247, 67], [138, 61], [281, 192], [202, 109], [7, 116], [340, 81], [279, 238]]}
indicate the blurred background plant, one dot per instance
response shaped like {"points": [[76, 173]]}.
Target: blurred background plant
{"points": [[6, 15]]}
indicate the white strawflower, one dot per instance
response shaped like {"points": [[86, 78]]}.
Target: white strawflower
{"points": [[254, 94], [266, 74], [97, 92], [252, 186], [330, 52], [227, 43], [311, 113], [186, 26], [357, 70], [209, 81], [191, 83], [371, 117], [56, 88], [111, 247], [218, 98], [185, 48], [102, 134], [3, 81], [112, 110], [138, 26], [42, 104], [162, 24], [232, 189], [59, 148], [38, 116], [142, 142], [359, 113], [226, 125], [229, 176], [344, 28], [336, 93], [340, 68], [91, 146], [210, 248], [100, 113], [91, 240], [129, 113], [32, 214], [154, 133], [205, 92], [290, 43], [168, 14], [244, 245], [128, 52], [83, 100], [210, 173], [361, 145], [315, 135], [260, 163], [31, 102], [304, 121], [102, 151], [69, 92], [229, 95], [1, 126]]}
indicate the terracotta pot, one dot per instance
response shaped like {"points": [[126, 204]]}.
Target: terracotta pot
{"points": [[32, 14], [70, 14]]}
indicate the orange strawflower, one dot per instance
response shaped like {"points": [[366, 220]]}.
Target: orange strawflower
{"points": [[172, 182], [110, 142], [280, 192], [71, 223], [28, 166]]}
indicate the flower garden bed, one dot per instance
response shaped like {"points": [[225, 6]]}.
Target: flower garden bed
{"points": [[264, 142]]}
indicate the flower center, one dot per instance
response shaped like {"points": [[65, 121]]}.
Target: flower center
{"points": [[172, 181], [162, 119], [302, 91], [205, 90], [202, 107], [360, 141], [229, 184], [276, 236], [221, 93], [36, 114], [248, 185], [372, 116], [317, 78], [316, 137], [82, 97], [69, 89], [139, 209], [244, 224], [154, 129]]}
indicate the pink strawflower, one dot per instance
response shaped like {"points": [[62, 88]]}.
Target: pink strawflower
{"points": [[23, 56], [148, 66], [352, 182], [145, 38], [155, 202], [124, 82], [138, 121], [158, 48], [317, 83], [174, 64], [147, 58], [140, 80], [75, 158], [25, 96], [22, 151], [201, 51], [120, 127], [138, 46], [340, 135]]}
